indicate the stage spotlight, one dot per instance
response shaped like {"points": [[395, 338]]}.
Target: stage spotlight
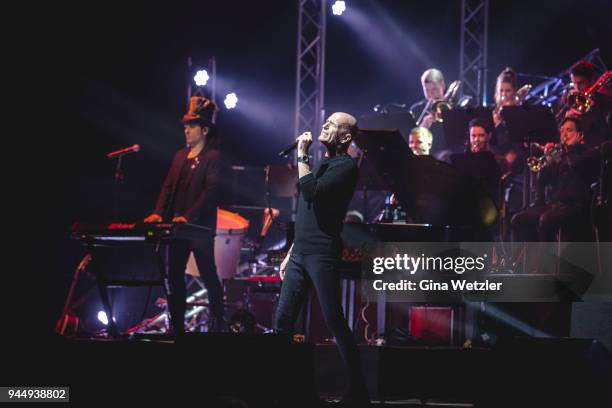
{"points": [[102, 317], [201, 77], [231, 100], [338, 8]]}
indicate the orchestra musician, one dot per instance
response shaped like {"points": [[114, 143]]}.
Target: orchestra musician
{"points": [[434, 88], [420, 141], [482, 162], [569, 170], [505, 92], [514, 154], [596, 122]]}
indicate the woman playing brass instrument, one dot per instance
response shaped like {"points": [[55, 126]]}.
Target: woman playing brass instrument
{"points": [[505, 91], [515, 155]]}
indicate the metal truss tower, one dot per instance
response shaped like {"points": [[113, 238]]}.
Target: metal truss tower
{"points": [[473, 58], [310, 78]]}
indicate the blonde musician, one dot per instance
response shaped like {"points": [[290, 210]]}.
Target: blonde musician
{"points": [[505, 93], [420, 141]]}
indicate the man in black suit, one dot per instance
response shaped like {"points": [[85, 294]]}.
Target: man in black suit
{"points": [[190, 193]]}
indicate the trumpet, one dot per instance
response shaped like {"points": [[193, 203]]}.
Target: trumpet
{"points": [[583, 101], [554, 155], [438, 107]]}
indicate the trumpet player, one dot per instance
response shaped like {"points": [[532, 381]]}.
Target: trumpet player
{"points": [[569, 178]]}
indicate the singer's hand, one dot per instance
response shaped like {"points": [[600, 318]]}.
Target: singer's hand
{"points": [[304, 141], [153, 218], [179, 219]]}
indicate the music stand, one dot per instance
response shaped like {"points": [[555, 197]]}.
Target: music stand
{"points": [[431, 191], [370, 190], [282, 181], [530, 123], [481, 166], [456, 123], [402, 121], [527, 124]]}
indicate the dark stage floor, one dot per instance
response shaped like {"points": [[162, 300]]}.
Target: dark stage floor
{"points": [[271, 371]]}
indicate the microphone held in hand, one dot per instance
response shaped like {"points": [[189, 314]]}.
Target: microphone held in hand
{"points": [[288, 150]]}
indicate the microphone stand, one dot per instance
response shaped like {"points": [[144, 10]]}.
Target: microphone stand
{"points": [[118, 180], [119, 176]]}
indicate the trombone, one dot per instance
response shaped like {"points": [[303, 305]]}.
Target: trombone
{"points": [[583, 101], [437, 107]]}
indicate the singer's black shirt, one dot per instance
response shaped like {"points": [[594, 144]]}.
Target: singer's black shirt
{"points": [[323, 199]]}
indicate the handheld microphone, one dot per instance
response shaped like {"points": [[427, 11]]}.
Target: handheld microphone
{"points": [[288, 150], [117, 153]]}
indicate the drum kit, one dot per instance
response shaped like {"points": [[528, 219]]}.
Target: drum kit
{"points": [[230, 234]]}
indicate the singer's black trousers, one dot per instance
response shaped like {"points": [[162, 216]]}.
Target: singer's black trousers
{"points": [[320, 271]]}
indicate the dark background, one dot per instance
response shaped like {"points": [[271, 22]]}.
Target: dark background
{"points": [[116, 75]]}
